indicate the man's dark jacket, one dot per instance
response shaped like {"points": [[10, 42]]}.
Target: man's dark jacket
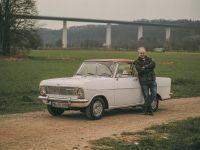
{"points": [[145, 68]]}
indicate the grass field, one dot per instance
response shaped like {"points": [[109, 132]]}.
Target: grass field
{"points": [[184, 135], [19, 78]]}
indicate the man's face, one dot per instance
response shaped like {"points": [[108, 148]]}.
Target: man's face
{"points": [[141, 53]]}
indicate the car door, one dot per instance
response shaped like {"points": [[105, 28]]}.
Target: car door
{"points": [[127, 87]]}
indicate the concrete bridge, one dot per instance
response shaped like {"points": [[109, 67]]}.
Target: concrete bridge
{"points": [[108, 27]]}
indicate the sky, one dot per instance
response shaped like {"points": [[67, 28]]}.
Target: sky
{"points": [[126, 10]]}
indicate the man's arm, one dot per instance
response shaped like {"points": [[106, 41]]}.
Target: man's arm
{"points": [[151, 65], [140, 69]]}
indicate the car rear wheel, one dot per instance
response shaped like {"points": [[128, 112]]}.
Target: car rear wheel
{"points": [[55, 111], [155, 104], [96, 109]]}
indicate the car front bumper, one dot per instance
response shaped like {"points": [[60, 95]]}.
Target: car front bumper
{"points": [[63, 102]]}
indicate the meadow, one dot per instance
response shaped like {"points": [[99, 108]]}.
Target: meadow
{"points": [[20, 78], [184, 135]]}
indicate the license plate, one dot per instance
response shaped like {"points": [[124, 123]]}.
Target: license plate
{"points": [[62, 105]]}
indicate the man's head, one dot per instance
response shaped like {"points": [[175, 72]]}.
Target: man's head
{"points": [[141, 52]]}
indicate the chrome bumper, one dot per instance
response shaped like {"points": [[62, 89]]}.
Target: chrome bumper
{"points": [[64, 102]]}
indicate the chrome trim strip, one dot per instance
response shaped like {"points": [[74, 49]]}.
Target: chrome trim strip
{"points": [[62, 99]]}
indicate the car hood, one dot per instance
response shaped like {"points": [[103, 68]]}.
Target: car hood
{"points": [[75, 81], [67, 81]]}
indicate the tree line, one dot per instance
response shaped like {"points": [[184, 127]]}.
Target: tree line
{"points": [[125, 36]]}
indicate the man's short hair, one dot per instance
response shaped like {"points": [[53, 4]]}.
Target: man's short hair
{"points": [[141, 49]]}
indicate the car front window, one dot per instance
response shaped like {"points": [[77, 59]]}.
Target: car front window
{"points": [[97, 68]]}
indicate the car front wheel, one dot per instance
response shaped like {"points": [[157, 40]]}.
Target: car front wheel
{"points": [[96, 109], [55, 111]]}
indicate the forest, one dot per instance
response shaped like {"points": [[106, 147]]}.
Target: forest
{"points": [[125, 36]]}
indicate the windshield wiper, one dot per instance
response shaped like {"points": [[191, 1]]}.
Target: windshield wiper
{"points": [[105, 75], [90, 73], [79, 74]]}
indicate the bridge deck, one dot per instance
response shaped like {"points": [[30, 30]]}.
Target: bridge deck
{"points": [[96, 21]]}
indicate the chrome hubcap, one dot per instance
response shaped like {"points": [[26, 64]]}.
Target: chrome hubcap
{"points": [[97, 108]]}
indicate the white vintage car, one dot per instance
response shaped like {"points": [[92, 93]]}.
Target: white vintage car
{"points": [[99, 84]]}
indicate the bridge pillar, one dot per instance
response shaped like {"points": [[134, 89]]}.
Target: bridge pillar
{"points": [[64, 35], [168, 33], [140, 32], [108, 35]]}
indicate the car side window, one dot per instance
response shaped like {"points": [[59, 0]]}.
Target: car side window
{"points": [[124, 70]]}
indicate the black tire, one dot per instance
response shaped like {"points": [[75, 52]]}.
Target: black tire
{"points": [[55, 111], [96, 108], [155, 104]]}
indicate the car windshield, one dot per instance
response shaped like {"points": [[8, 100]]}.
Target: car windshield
{"points": [[97, 68]]}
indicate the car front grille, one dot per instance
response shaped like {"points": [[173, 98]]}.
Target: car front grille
{"points": [[61, 90]]}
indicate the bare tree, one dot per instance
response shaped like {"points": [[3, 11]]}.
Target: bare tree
{"points": [[15, 32], [1, 27]]}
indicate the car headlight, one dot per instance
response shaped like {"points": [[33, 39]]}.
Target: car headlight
{"points": [[80, 93], [43, 91]]}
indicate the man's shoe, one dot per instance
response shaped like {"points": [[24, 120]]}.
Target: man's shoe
{"points": [[145, 110], [151, 113]]}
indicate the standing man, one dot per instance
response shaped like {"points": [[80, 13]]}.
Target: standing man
{"points": [[145, 68]]}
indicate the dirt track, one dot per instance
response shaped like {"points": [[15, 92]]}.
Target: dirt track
{"points": [[73, 130]]}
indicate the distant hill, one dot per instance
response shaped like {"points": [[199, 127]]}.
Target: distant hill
{"points": [[122, 35]]}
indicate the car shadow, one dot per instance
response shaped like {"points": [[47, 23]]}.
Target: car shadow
{"points": [[71, 115], [123, 111], [76, 115]]}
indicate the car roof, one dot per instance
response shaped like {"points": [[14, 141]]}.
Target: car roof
{"points": [[110, 60]]}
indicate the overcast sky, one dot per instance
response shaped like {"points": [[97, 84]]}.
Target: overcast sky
{"points": [[127, 10]]}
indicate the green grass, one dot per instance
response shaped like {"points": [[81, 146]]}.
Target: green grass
{"points": [[184, 135], [19, 79]]}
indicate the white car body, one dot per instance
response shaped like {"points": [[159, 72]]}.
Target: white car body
{"points": [[115, 90]]}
